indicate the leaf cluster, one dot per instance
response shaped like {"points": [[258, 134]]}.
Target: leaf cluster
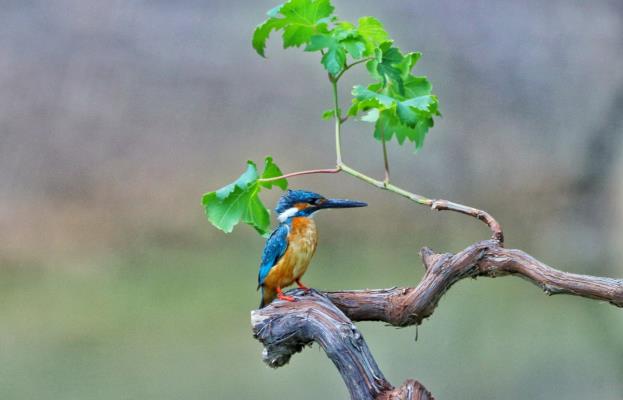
{"points": [[400, 104]]}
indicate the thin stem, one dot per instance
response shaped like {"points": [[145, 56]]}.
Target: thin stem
{"points": [[338, 121], [385, 159], [438, 205], [361, 176], [349, 66], [306, 172], [390, 187]]}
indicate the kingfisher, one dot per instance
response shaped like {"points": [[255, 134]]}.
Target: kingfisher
{"points": [[290, 247]]}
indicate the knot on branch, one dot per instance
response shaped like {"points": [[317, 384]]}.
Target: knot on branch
{"points": [[430, 258], [410, 390], [279, 344]]}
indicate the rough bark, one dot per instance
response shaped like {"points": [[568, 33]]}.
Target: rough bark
{"points": [[285, 328], [409, 306]]}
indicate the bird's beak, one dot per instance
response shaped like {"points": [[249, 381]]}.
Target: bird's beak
{"points": [[342, 203]]}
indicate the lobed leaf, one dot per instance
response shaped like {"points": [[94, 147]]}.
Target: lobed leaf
{"points": [[271, 170], [330, 114], [373, 33], [299, 20], [311, 23], [399, 103], [394, 114], [240, 201]]}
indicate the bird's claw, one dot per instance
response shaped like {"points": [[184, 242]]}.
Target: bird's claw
{"points": [[301, 286], [286, 298]]}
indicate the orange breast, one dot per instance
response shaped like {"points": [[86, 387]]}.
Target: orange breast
{"points": [[302, 242]]}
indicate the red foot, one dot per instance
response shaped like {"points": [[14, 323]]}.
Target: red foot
{"points": [[300, 285], [282, 296]]}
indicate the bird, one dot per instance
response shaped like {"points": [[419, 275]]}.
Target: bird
{"points": [[290, 247]]}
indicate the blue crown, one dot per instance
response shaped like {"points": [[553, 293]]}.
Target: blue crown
{"points": [[291, 197]]}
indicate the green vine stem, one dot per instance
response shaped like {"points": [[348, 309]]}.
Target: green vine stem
{"points": [[434, 204], [385, 159]]}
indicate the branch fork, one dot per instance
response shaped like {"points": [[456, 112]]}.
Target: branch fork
{"points": [[286, 328]]}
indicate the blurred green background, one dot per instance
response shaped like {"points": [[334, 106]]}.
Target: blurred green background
{"points": [[116, 116]]}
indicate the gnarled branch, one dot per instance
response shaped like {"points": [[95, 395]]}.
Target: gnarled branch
{"points": [[408, 306], [285, 328]]}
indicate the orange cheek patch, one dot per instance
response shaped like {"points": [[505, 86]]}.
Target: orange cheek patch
{"points": [[301, 206]]}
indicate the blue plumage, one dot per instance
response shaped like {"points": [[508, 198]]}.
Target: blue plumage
{"points": [[293, 197], [275, 248]]}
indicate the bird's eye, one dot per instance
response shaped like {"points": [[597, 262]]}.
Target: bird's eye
{"points": [[319, 201]]}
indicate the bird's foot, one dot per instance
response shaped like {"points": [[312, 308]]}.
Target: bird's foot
{"points": [[286, 298], [282, 296], [301, 286]]}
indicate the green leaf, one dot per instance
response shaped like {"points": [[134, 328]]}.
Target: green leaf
{"points": [[355, 47], [226, 213], [257, 215], [273, 12], [415, 86], [422, 103], [328, 114], [390, 125], [261, 33], [299, 20], [271, 170], [319, 42], [395, 115], [248, 177], [371, 116], [372, 32], [362, 93], [398, 103], [408, 62], [386, 66], [344, 30], [334, 58], [406, 114], [240, 201]]}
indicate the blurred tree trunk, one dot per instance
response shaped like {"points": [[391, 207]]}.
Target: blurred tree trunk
{"points": [[594, 187]]}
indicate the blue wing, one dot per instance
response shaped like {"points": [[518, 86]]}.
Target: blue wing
{"points": [[274, 249]]}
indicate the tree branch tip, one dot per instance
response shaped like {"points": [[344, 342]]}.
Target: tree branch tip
{"points": [[426, 251], [428, 257]]}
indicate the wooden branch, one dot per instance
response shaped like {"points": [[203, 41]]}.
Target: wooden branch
{"points": [[492, 223], [408, 306], [285, 328]]}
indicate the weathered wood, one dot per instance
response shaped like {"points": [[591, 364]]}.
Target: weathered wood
{"points": [[409, 306], [285, 328], [410, 390]]}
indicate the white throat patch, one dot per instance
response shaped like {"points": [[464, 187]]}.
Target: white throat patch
{"points": [[287, 214]]}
